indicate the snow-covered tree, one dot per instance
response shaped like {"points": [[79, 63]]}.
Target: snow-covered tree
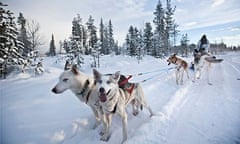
{"points": [[66, 46], [101, 34], [140, 45], [131, 44], [22, 35], [79, 33], [110, 33], [148, 39], [10, 47], [91, 35], [159, 33], [175, 34], [170, 23]]}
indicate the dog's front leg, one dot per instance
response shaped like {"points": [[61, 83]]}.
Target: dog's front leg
{"points": [[135, 107], [177, 76], [97, 116], [208, 73], [181, 76], [124, 125], [107, 118]]}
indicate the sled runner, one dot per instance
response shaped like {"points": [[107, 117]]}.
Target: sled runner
{"points": [[213, 60]]}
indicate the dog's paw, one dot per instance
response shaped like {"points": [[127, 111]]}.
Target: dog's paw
{"points": [[135, 113], [105, 138], [210, 83], [101, 133]]}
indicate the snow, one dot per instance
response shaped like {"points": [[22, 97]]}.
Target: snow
{"points": [[192, 113]]}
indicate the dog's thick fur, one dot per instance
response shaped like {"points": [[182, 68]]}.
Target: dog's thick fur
{"points": [[181, 66], [83, 86], [114, 100]]}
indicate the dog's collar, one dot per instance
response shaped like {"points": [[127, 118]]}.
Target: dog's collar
{"points": [[84, 90]]}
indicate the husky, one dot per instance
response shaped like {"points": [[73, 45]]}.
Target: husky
{"points": [[115, 100], [181, 66], [204, 61], [84, 87]]}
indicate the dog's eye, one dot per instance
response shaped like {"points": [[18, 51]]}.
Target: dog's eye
{"points": [[108, 82], [65, 80], [100, 81]]}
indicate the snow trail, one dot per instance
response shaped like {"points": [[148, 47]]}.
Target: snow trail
{"points": [[186, 114]]}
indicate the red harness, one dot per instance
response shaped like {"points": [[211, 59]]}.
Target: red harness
{"points": [[130, 89]]}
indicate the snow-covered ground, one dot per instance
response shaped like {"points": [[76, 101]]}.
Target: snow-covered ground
{"points": [[192, 113]]}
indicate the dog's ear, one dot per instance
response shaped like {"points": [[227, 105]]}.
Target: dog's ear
{"points": [[96, 74], [74, 69], [116, 76]]}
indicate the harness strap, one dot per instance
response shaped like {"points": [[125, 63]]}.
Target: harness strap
{"points": [[130, 90], [125, 81], [85, 88]]}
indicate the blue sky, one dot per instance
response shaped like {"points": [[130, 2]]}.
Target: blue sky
{"points": [[219, 19]]}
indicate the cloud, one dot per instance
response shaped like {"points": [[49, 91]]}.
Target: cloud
{"points": [[217, 3], [191, 24], [235, 29], [229, 39]]}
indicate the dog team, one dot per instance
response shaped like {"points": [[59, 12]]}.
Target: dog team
{"points": [[108, 94], [104, 96]]}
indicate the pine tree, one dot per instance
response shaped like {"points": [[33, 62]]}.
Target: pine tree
{"points": [[22, 36], [10, 47], [159, 33], [169, 24], [78, 35], [139, 45], [101, 33], [66, 46], [110, 33], [131, 41], [148, 38], [184, 45], [52, 49], [92, 35], [175, 34]]}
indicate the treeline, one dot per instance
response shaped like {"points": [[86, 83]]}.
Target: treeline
{"points": [[157, 42], [20, 39]]}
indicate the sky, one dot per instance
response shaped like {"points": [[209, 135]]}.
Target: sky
{"points": [[218, 19]]}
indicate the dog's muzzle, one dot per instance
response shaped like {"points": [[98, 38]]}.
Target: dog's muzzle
{"points": [[103, 94], [54, 90]]}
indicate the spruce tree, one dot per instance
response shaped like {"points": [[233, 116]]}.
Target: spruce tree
{"points": [[92, 34], [22, 36], [169, 24], [111, 39], [52, 49], [78, 38], [159, 33], [101, 33], [10, 47], [148, 39]]}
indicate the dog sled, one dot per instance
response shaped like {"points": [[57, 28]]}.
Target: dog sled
{"points": [[213, 60]]}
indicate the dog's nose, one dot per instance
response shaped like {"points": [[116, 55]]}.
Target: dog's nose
{"points": [[101, 90], [54, 90]]}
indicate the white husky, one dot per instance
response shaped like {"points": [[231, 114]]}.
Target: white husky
{"points": [[83, 87], [114, 100], [205, 61]]}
